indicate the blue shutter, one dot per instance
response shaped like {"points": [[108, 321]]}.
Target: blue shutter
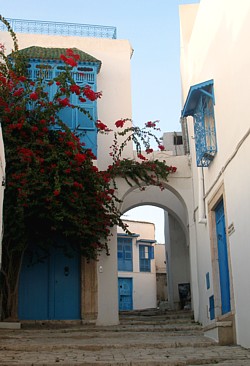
{"points": [[125, 254], [211, 307], [82, 124]]}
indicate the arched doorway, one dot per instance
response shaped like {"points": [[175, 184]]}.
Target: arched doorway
{"points": [[176, 238]]}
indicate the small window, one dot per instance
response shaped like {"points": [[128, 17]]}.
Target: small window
{"points": [[146, 253], [211, 307], [178, 140]]}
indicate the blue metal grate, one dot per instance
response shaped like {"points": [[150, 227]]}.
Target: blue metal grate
{"points": [[204, 129], [60, 28]]}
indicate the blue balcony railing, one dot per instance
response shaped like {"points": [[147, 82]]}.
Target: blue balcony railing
{"points": [[60, 28]]}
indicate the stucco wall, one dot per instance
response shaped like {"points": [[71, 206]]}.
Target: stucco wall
{"points": [[214, 39]]}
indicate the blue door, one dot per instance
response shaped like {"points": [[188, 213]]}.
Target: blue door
{"points": [[49, 288], [223, 258], [125, 293]]}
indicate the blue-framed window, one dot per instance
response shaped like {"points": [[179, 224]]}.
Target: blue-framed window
{"points": [[83, 124], [125, 254], [200, 104], [211, 307], [146, 253]]}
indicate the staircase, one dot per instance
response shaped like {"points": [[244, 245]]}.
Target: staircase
{"points": [[143, 338]]}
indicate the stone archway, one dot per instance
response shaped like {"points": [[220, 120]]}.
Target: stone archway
{"points": [[176, 235]]}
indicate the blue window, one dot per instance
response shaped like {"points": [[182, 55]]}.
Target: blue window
{"points": [[146, 253], [200, 105], [125, 254], [208, 280], [85, 74], [211, 307]]}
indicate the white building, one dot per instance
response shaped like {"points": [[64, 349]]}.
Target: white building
{"points": [[215, 83], [136, 266]]}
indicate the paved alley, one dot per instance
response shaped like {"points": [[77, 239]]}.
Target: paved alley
{"points": [[142, 339]]}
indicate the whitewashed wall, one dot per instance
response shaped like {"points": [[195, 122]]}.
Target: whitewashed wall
{"points": [[214, 39]]}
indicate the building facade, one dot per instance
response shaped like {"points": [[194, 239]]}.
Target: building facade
{"points": [[215, 93], [136, 266]]}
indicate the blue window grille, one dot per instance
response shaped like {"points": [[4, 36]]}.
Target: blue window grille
{"points": [[125, 254], [82, 124], [200, 105], [208, 280], [211, 307], [146, 253]]}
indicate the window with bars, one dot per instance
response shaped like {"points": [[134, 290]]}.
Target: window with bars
{"points": [[200, 105], [146, 253]]}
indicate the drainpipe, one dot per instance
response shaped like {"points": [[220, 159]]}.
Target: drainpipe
{"points": [[201, 200]]}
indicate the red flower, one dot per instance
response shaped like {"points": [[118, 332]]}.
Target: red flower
{"points": [[64, 102], [75, 89], [68, 60], [77, 185], [140, 156], [70, 52], [56, 192], [120, 123], [18, 92], [34, 129], [22, 78], [58, 83], [149, 151], [101, 126], [80, 158], [90, 94], [161, 147], [34, 96], [150, 124]]}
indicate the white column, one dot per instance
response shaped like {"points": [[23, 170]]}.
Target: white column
{"points": [[107, 276], [169, 262]]}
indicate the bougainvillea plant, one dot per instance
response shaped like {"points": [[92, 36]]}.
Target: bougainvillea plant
{"points": [[53, 186]]}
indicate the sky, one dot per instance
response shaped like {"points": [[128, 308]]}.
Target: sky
{"points": [[152, 27]]}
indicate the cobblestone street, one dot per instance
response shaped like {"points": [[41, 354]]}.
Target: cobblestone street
{"points": [[141, 339]]}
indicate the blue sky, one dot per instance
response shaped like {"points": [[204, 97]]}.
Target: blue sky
{"points": [[152, 27]]}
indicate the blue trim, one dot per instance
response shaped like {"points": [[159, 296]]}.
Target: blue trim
{"points": [[124, 235], [194, 94], [145, 241]]}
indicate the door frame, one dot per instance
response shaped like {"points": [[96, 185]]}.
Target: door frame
{"points": [[212, 204]]}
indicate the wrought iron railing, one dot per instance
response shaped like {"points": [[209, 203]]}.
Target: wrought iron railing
{"points": [[60, 28]]}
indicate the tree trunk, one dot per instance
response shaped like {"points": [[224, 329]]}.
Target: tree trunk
{"points": [[11, 269]]}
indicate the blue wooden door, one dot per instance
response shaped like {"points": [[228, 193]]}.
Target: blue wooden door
{"points": [[125, 293], [223, 258], [50, 288]]}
